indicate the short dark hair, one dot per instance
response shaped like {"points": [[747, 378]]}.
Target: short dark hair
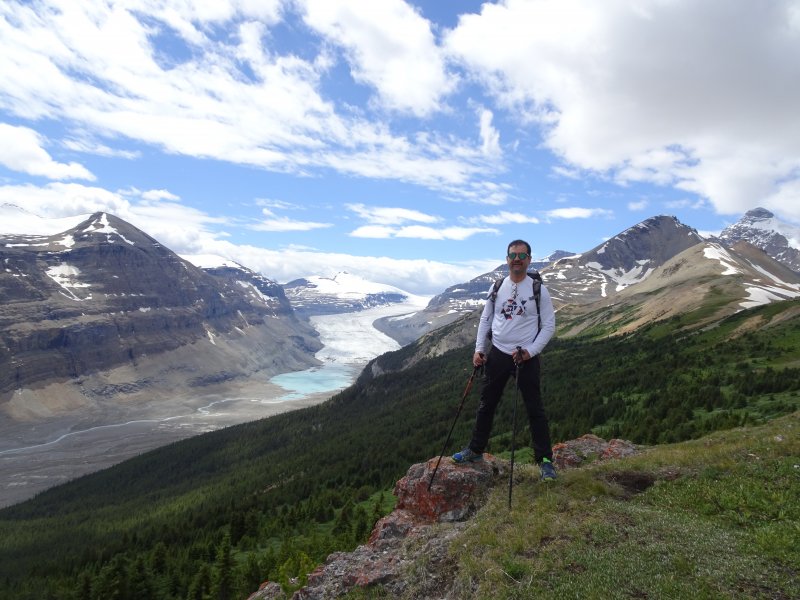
{"points": [[517, 243]]}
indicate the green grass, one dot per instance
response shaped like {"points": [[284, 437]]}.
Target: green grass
{"points": [[717, 517]]}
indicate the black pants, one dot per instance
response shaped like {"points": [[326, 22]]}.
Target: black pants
{"points": [[499, 367]]}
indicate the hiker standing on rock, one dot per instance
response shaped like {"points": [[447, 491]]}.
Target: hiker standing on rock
{"points": [[520, 325]]}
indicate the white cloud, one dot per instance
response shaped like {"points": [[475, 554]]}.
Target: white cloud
{"points": [[638, 205], [57, 200], [692, 203], [156, 195], [87, 146], [576, 212], [390, 46], [270, 203], [391, 222], [702, 96], [181, 228], [381, 215], [414, 275], [99, 67], [419, 232], [504, 218], [274, 222], [490, 137], [490, 193], [23, 150]]}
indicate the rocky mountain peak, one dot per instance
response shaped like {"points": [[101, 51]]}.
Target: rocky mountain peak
{"points": [[757, 214], [626, 259], [643, 246], [763, 229]]}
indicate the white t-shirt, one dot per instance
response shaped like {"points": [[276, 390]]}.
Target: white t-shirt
{"points": [[513, 319]]}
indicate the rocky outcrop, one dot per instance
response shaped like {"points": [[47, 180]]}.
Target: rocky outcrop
{"points": [[425, 522], [588, 448]]}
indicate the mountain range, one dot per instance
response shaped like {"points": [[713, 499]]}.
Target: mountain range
{"points": [[660, 251], [102, 310], [103, 319]]}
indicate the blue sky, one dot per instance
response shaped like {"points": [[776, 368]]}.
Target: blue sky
{"points": [[406, 142]]}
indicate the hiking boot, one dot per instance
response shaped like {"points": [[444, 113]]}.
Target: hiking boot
{"points": [[548, 470], [467, 455]]}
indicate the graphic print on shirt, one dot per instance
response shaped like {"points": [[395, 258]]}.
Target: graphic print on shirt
{"points": [[511, 308]]}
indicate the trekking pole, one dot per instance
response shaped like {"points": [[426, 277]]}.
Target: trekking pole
{"points": [[453, 426], [518, 363]]}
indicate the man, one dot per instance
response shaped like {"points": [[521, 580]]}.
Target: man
{"points": [[516, 338]]}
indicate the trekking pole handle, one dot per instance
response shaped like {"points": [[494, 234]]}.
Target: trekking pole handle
{"points": [[518, 358]]}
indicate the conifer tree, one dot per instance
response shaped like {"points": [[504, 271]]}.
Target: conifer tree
{"points": [[223, 579]]}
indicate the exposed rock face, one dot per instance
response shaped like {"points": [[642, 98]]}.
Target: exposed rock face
{"points": [[105, 294], [762, 229], [626, 259], [458, 491]]}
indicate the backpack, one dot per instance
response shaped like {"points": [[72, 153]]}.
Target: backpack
{"points": [[537, 293]]}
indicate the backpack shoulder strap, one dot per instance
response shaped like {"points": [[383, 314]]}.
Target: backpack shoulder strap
{"points": [[537, 285], [537, 292], [495, 289]]}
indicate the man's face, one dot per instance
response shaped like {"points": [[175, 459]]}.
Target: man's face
{"points": [[517, 264]]}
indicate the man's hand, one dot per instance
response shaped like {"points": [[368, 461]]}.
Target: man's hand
{"points": [[520, 355], [478, 359]]}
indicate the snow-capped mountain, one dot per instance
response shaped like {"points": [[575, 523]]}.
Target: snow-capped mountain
{"points": [[108, 308], [344, 292], [702, 284], [626, 259], [636, 261], [762, 229]]}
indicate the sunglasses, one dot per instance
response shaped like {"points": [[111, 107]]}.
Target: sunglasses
{"points": [[521, 255]]}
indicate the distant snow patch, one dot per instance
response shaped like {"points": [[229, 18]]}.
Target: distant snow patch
{"points": [[715, 252], [107, 228], [624, 278], [66, 276], [254, 290], [759, 295]]}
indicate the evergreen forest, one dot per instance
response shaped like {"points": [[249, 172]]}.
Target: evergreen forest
{"points": [[215, 515]]}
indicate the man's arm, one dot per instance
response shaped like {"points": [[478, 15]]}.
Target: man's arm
{"points": [[548, 315]]}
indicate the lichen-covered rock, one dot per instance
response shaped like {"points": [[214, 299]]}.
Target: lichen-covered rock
{"points": [[455, 494], [588, 448]]}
